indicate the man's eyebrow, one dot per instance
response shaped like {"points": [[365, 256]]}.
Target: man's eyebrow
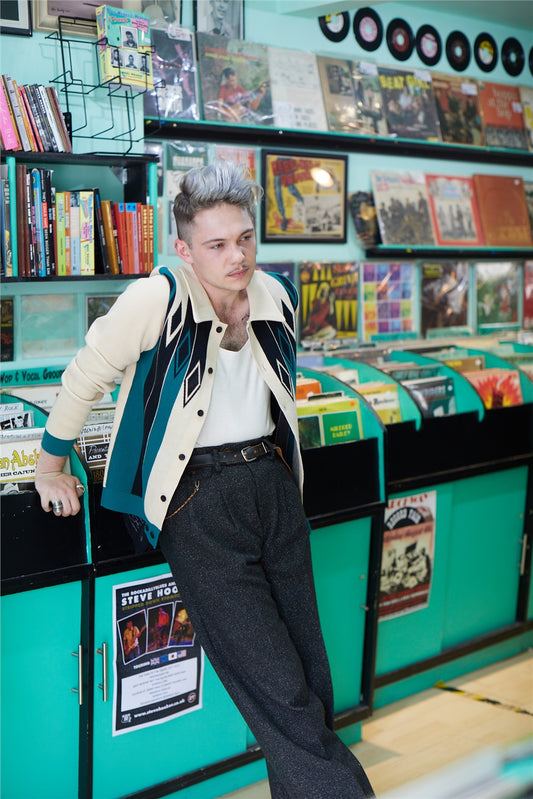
{"points": [[221, 238]]}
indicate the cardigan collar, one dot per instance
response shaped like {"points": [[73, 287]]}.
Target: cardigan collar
{"points": [[262, 304]]}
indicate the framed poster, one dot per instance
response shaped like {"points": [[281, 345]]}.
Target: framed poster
{"points": [[15, 17], [219, 17], [304, 197]]}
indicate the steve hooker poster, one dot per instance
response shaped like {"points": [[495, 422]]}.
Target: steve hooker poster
{"points": [[408, 554], [158, 663]]}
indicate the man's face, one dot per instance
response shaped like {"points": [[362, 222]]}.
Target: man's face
{"points": [[220, 8], [222, 250]]}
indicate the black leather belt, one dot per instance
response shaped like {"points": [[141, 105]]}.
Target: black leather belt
{"points": [[228, 457]]}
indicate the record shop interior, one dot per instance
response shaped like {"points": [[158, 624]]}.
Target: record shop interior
{"points": [[392, 145]]}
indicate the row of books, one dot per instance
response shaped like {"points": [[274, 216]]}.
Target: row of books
{"points": [[31, 119], [412, 208], [211, 77], [73, 233]]}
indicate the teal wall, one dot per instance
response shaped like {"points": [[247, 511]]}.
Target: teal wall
{"points": [[38, 59]]}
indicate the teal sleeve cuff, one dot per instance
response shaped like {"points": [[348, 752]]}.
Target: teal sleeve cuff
{"points": [[57, 446]]}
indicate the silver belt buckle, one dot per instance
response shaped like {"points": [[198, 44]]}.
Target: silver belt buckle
{"points": [[254, 458]]}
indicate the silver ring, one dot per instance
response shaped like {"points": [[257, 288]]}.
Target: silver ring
{"points": [[81, 488], [57, 506]]}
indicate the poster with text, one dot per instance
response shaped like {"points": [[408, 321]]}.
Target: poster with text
{"points": [[408, 554], [157, 661]]}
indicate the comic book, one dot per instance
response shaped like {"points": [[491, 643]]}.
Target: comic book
{"points": [[124, 46]]}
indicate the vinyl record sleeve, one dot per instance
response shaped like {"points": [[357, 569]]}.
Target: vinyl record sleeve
{"points": [[234, 80], [409, 103], [458, 108], [453, 211], [502, 206], [352, 96], [501, 111], [175, 92], [402, 206], [296, 89]]}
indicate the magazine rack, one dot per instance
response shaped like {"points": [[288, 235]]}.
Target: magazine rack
{"points": [[121, 96]]}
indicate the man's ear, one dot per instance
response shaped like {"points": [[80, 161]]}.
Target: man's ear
{"points": [[183, 251]]}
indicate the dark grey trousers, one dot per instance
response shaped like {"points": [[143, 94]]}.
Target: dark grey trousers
{"points": [[239, 551]]}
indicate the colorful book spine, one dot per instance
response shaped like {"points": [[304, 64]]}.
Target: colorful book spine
{"points": [[8, 129], [17, 113], [37, 221], [75, 243], [132, 236], [87, 232], [61, 259], [111, 237], [103, 263]]}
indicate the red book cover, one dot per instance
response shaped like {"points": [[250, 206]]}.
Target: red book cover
{"points": [[120, 218], [503, 120], [502, 206], [453, 209]]}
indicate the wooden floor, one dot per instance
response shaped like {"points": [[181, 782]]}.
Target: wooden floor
{"points": [[434, 730]]}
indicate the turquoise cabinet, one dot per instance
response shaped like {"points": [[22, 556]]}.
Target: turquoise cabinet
{"points": [[138, 759], [40, 715]]}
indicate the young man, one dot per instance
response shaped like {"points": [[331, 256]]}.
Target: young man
{"points": [[205, 453]]}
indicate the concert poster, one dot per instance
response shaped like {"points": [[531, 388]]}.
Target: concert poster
{"points": [[157, 661], [407, 562]]}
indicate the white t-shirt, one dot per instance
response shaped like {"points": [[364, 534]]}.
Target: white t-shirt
{"points": [[240, 404]]}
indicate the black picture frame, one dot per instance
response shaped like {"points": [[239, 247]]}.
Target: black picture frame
{"points": [[296, 207], [20, 22], [230, 24]]}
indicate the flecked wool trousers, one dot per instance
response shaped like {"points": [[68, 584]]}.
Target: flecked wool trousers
{"points": [[237, 542]]}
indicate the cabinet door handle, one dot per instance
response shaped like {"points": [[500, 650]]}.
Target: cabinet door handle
{"points": [[103, 651], [79, 689]]}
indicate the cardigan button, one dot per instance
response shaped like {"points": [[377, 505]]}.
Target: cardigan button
{"points": [[210, 370], [181, 456], [219, 329], [163, 498], [200, 413]]}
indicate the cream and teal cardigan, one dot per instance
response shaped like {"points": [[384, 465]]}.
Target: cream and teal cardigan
{"points": [[160, 340]]}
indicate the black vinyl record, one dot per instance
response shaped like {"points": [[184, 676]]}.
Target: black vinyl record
{"points": [[368, 29], [458, 50], [400, 39], [513, 56], [485, 52], [428, 45], [335, 27]]}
